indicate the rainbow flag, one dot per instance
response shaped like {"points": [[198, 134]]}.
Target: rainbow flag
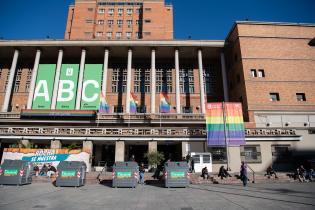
{"points": [[235, 133], [133, 103], [103, 108], [165, 105]]}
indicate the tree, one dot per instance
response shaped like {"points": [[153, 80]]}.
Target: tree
{"points": [[154, 158]]}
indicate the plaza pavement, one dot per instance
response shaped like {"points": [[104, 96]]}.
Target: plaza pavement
{"points": [[153, 197]]}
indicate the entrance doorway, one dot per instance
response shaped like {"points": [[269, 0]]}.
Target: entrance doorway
{"points": [[137, 150], [171, 150]]}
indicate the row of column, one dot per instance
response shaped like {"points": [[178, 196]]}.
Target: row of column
{"points": [[105, 70]]}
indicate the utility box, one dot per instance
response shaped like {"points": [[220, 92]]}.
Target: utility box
{"points": [[176, 174], [125, 174], [16, 172], [71, 174]]}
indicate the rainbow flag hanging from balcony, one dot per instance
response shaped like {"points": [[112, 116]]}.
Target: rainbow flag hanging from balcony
{"points": [[103, 108], [133, 103], [235, 134], [165, 105]]}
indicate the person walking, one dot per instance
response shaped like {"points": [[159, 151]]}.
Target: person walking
{"points": [[243, 173], [141, 173]]}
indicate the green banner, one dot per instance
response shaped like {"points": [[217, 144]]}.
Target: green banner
{"points": [[44, 86], [67, 173], [67, 88], [91, 88]]}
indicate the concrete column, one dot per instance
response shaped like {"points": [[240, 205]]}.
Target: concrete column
{"points": [[33, 81], [235, 159], [25, 142], [224, 78], [80, 82], [119, 151], [105, 70], [185, 148], [88, 148], [152, 147], [153, 83], [9, 88], [56, 83], [128, 81], [177, 90], [201, 83], [55, 144]]}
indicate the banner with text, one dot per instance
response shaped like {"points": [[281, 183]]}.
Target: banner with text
{"points": [[91, 87], [44, 86], [67, 88]]}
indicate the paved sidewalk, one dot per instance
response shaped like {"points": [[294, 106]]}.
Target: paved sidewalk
{"points": [[153, 197]]}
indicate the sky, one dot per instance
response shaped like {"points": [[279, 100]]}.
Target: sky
{"points": [[198, 19]]}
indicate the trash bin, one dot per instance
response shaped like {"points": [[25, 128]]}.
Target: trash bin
{"points": [[16, 172], [71, 174], [176, 174], [125, 174]]}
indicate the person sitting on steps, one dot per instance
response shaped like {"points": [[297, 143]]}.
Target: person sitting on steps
{"points": [[223, 173], [270, 171], [204, 173]]}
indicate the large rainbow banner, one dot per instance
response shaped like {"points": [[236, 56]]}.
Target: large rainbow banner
{"points": [[235, 134], [165, 106]]}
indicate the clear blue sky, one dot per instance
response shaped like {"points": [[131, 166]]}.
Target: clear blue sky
{"points": [[200, 19]]}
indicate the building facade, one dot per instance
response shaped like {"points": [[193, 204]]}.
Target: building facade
{"points": [[120, 20], [268, 67]]}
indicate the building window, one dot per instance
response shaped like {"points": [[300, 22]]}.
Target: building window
{"points": [[120, 11], [100, 22], [90, 9], [139, 10], [261, 73], [17, 86], [119, 80], [118, 35], [99, 34], [251, 153], [101, 11], [110, 22], [186, 80], [138, 35], [164, 80], [128, 35], [129, 11], [109, 35], [147, 33], [218, 154], [281, 153], [300, 97], [129, 23], [89, 21], [142, 80], [119, 23], [147, 9], [274, 96], [187, 109], [138, 22], [147, 21], [110, 12], [253, 72], [141, 109], [118, 109]]}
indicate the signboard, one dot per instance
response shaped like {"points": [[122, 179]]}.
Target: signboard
{"points": [[123, 174], [44, 86], [177, 174], [67, 88], [91, 87], [10, 172], [46, 156], [67, 173]]}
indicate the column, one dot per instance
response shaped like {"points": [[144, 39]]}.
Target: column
{"points": [[33, 81], [119, 151], [80, 82], [55, 144], [56, 84], [88, 148], [128, 81], [177, 90], [224, 78], [10, 82], [152, 147], [153, 83], [105, 70], [235, 159], [201, 83], [185, 148]]}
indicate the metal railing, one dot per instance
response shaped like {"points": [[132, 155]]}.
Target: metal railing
{"points": [[253, 172]]}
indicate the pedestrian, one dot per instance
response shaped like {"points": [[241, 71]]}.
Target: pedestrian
{"points": [[205, 173], [243, 174], [36, 170], [192, 162], [51, 170], [223, 173], [270, 171], [43, 171], [141, 173]]}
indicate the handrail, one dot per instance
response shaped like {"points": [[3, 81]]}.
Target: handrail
{"points": [[252, 172], [103, 169]]}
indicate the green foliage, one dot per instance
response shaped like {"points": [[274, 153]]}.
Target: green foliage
{"points": [[154, 158], [29, 145], [72, 147]]}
